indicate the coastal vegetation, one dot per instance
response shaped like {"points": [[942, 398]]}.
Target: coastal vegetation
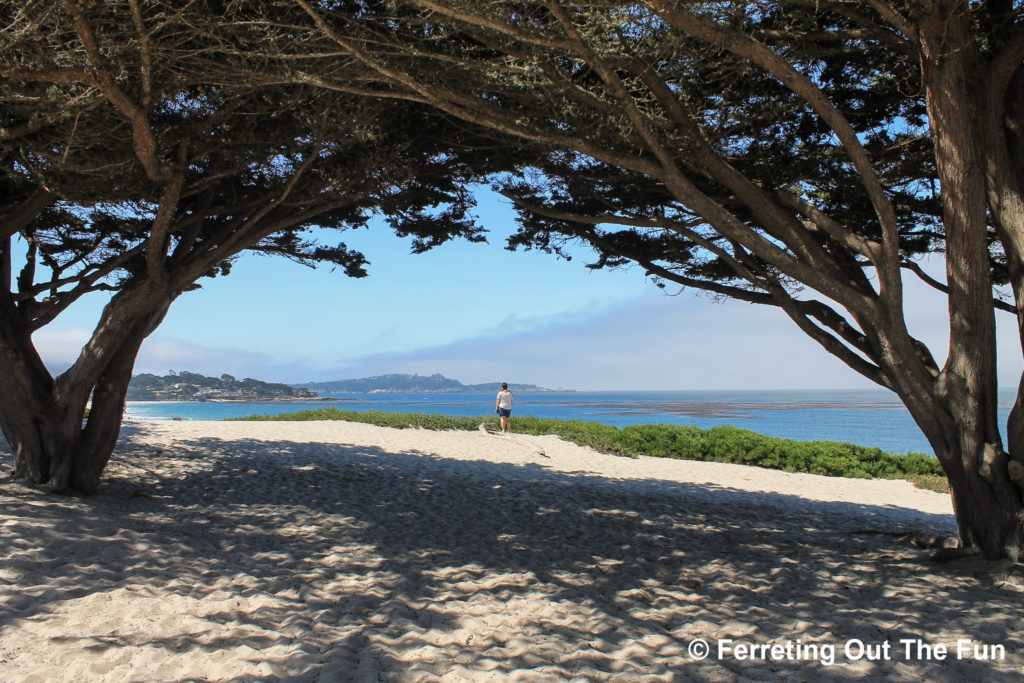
{"points": [[718, 444], [134, 165], [800, 155], [192, 386]]}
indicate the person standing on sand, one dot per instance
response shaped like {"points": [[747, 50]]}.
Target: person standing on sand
{"points": [[503, 407]]}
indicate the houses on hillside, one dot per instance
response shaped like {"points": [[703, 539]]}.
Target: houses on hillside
{"points": [[195, 387]]}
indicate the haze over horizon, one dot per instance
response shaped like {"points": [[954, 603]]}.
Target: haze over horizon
{"points": [[476, 312]]}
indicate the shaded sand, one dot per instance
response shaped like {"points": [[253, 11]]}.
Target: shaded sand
{"points": [[339, 551]]}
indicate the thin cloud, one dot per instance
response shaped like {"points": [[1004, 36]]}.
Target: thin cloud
{"points": [[653, 342]]}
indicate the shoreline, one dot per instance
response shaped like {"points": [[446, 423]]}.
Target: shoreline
{"points": [[801, 416], [279, 399], [342, 550]]}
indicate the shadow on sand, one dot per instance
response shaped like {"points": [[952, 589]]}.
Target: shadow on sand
{"points": [[380, 563]]}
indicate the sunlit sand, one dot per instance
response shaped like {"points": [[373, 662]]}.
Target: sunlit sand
{"points": [[340, 551]]}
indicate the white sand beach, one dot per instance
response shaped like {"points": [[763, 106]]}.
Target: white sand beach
{"points": [[333, 551]]}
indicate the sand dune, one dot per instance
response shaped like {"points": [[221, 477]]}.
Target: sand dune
{"points": [[339, 551]]}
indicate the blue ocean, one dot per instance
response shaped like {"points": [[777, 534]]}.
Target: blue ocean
{"points": [[872, 418]]}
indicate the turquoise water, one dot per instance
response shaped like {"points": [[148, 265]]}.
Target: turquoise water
{"points": [[869, 417]]}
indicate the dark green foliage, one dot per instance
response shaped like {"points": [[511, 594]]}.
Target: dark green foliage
{"points": [[143, 147], [665, 441], [600, 437], [193, 386], [929, 482], [718, 444], [794, 154]]}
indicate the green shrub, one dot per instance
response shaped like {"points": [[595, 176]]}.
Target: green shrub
{"points": [[718, 444], [600, 437], [931, 482], [664, 441], [376, 417]]}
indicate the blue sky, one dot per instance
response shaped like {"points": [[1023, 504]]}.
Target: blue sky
{"points": [[479, 313]]}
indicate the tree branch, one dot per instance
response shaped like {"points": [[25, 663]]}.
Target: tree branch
{"points": [[156, 249], [1002, 68], [19, 217], [886, 11], [145, 52], [497, 26], [142, 136], [742, 271], [194, 265], [749, 49], [797, 312], [847, 238], [916, 269], [66, 75], [475, 111]]}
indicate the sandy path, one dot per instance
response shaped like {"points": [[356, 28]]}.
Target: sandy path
{"points": [[340, 551]]}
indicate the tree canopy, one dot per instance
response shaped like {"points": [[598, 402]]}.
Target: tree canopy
{"points": [[792, 153], [798, 154], [133, 164]]}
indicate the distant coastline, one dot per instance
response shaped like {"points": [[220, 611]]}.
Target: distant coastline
{"points": [[192, 387], [865, 417], [412, 384]]}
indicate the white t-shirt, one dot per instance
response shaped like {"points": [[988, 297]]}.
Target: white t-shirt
{"points": [[505, 399]]}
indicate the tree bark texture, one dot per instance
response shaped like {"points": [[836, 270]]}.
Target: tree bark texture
{"points": [[987, 502], [973, 97], [43, 419]]}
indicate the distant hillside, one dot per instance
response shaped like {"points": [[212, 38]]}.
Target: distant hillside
{"points": [[191, 386], [408, 384]]}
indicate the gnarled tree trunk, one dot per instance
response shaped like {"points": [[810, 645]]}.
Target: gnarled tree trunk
{"points": [[987, 502], [43, 419]]}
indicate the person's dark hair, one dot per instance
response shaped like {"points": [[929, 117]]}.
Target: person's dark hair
{"points": [[504, 386]]}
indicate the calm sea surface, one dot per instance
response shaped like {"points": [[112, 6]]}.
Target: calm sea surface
{"points": [[868, 417]]}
